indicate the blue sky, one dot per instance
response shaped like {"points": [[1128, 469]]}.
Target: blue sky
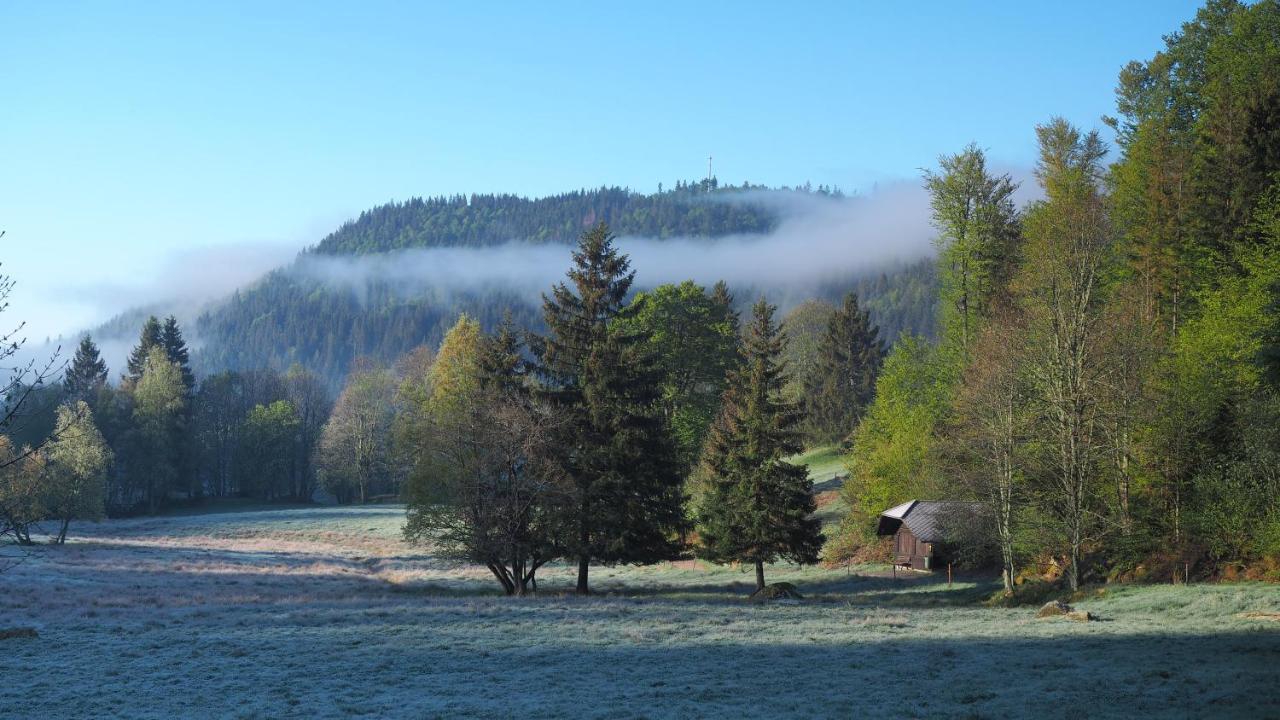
{"points": [[135, 137]]}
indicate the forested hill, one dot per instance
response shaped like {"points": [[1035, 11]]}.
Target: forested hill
{"points": [[704, 209], [290, 317]]}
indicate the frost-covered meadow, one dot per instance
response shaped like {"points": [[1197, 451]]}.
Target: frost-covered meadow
{"points": [[323, 612]]}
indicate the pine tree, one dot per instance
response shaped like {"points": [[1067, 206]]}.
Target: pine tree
{"points": [[176, 348], [87, 372], [152, 336], [615, 444], [759, 507], [848, 362]]}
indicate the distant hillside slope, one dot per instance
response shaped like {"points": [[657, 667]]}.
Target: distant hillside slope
{"points": [[479, 220], [291, 317]]}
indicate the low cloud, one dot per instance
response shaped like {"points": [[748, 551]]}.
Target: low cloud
{"points": [[190, 278], [818, 239]]}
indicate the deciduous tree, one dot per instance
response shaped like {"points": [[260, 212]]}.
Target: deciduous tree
{"points": [[1069, 248], [75, 483], [355, 445]]}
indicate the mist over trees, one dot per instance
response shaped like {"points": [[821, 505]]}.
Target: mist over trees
{"points": [[293, 317]]}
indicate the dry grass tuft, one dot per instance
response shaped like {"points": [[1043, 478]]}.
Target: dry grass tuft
{"points": [[18, 633], [1272, 616]]}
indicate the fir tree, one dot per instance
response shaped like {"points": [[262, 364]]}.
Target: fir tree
{"points": [[87, 372], [759, 507], [152, 335], [615, 444], [848, 362]]}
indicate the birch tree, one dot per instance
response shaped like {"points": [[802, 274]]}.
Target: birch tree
{"points": [[75, 485], [1068, 248], [990, 430], [355, 445]]}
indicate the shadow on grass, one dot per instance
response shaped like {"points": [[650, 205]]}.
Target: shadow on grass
{"points": [[491, 666]]}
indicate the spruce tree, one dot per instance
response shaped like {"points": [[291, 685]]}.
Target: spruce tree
{"points": [[759, 507], [87, 372], [502, 365], [152, 336], [615, 444], [175, 347], [845, 379], [727, 317]]}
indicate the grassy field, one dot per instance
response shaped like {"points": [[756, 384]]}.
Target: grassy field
{"points": [[323, 612], [825, 462]]}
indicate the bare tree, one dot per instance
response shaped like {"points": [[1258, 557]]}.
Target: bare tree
{"points": [[25, 379], [485, 485], [22, 497]]}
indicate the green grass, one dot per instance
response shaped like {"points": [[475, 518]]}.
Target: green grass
{"points": [[324, 612], [826, 471], [825, 462]]}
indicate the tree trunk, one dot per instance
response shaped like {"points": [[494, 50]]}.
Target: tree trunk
{"points": [[759, 575], [498, 572], [584, 563], [1073, 575], [62, 534], [529, 580]]}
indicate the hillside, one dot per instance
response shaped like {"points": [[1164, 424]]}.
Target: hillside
{"points": [[294, 317], [696, 210]]}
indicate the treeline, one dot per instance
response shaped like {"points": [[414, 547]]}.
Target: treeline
{"points": [[155, 438], [1105, 380], [701, 209], [289, 320]]}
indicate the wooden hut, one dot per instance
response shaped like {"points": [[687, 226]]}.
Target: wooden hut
{"points": [[920, 529]]}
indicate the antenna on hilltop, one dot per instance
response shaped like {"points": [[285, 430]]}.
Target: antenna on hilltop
{"points": [[708, 168]]}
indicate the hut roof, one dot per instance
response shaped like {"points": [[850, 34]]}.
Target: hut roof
{"points": [[926, 519]]}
